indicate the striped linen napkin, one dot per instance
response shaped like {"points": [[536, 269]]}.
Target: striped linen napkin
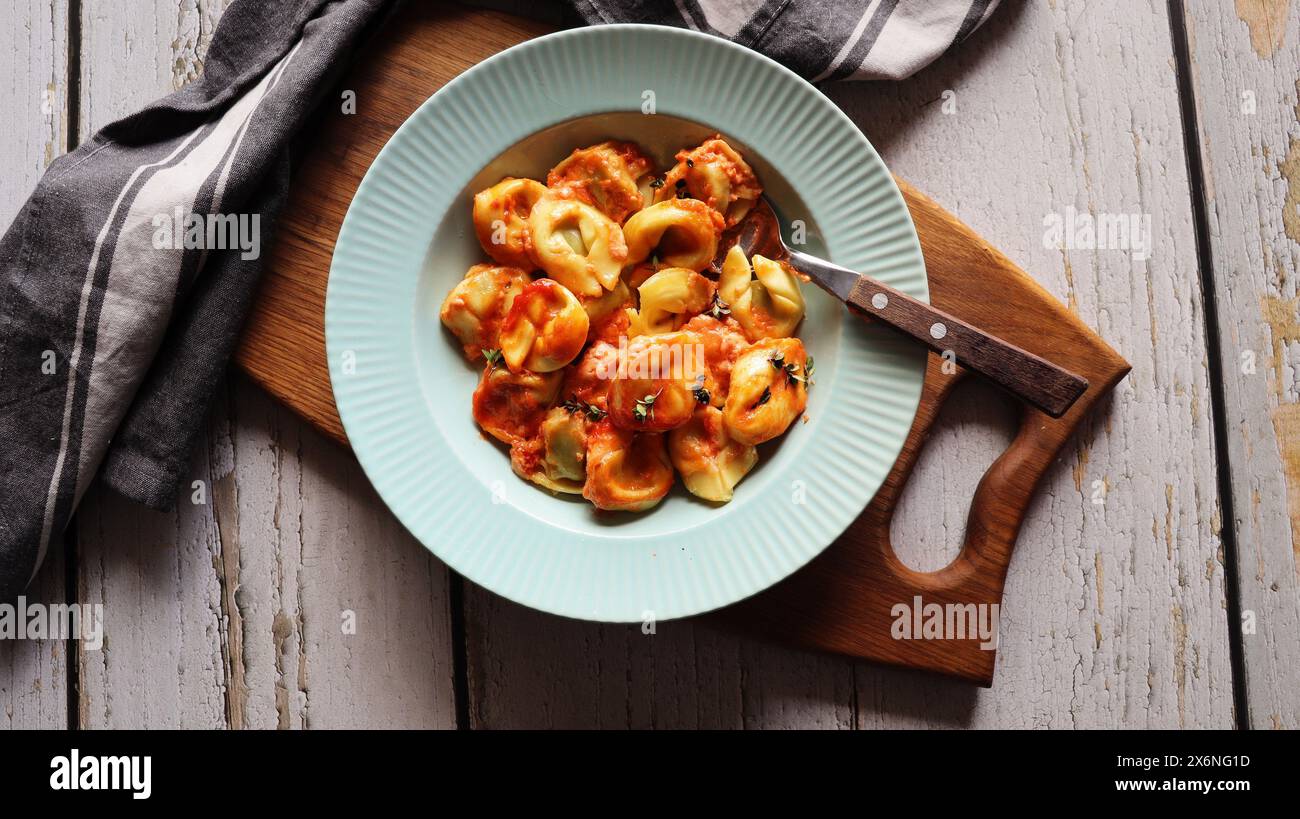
{"points": [[840, 40]]}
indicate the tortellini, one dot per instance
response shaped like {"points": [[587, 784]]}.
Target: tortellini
{"points": [[501, 220], [670, 298], [716, 175], [475, 307], [557, 459], [769, 388], [765, 299], [545, 329], [510, 406], [564, 433], [679, 232], [710, 462], [624, 362], [626, 471], [655, 388], [615, 177], [577, 245], [636, 275], [723, 343]]}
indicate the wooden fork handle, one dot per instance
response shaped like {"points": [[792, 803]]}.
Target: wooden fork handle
{"points": [[1035, 380]]}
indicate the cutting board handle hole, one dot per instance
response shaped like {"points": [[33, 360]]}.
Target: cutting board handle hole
{"points": [[975, 425]]}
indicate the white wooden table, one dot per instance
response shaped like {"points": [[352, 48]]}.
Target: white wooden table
{"points": [[1169, 531]]}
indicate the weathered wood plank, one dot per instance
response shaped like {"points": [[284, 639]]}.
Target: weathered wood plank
{"points": [[280, 593], [160, 577], [344, 615], [533, 670], [34, 101], [157, 577], [1114, 610], [1114, 613], [1246, 75]]}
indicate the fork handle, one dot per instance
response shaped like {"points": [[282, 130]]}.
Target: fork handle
{"points": [[1036, 380]]}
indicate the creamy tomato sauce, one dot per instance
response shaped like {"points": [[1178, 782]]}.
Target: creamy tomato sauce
{"points": [[724, 341]]}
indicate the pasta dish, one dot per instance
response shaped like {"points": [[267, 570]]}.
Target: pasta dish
{"points": [[616, 355]]}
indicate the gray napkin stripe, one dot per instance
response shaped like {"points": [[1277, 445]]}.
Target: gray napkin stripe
{"points": [[848, 39]]}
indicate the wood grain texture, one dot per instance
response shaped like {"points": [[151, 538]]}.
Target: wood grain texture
{"points": [[1115, 605], [280, 593], [34, 103], [1246, 77]]}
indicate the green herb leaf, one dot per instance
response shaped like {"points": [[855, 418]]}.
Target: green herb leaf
{"points": [[791, 371], [645, 407], [576, 404], [493, 357]]}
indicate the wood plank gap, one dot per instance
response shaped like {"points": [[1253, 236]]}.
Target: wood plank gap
{"points": [[74, 77], [459, 652], [1214, 355], [70, 551]]}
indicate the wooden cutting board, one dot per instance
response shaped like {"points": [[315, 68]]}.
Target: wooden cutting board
{"points": [[844, 600]]}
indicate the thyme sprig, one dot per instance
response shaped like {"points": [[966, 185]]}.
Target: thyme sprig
{"points": [[791, 371], [494, 357], [645, 407], [576, 404]]}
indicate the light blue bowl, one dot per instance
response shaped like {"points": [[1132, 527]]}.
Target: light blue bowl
{"points": [[403, 389]]}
